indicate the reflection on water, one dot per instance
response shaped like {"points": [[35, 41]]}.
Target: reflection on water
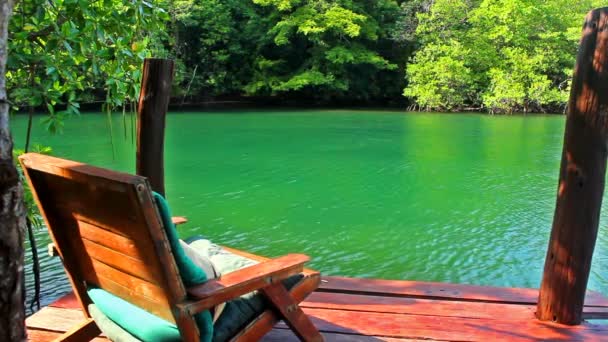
{"points": [[454, 198], [53, 278]]}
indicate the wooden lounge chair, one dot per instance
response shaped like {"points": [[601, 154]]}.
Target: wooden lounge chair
{"points": [[110, 235]]}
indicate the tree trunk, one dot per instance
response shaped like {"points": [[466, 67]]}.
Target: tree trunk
{"points": [[12, 210], [581, 181], [153, 103]]}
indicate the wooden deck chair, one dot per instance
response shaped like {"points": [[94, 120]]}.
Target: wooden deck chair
{"points": [[111, 236]]}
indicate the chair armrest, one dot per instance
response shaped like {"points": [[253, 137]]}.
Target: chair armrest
{"points": [[245, 280]]}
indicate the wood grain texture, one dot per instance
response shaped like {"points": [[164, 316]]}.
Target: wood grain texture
{"points": [[417, 306], [434, 307], [30, 164], [68, 301], [36, 335], [434, 290], [103, 274], [84, 331], [269, 318], [352, 317], [590, 313], [291, 313], [245, 280], [282, 335], [154, 97], [56, 319], [119, 261], [107, 231], [77, 171], [187, 326], [260, 258], [175, 288], [449, 328], [581, 180]]}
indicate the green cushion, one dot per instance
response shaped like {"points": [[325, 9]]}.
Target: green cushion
{"points": [[112, 330], [136, 321], [191, 275], [224, 261]]}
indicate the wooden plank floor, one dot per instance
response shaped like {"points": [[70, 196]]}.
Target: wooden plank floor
{"points": [[348, 309]]}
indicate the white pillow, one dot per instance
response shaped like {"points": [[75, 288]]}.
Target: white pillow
{"points": [[205, 264]]}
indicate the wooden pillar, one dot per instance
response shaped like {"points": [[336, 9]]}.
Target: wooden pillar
{"points": [[581, 180], [12, 210], [151, 111]]}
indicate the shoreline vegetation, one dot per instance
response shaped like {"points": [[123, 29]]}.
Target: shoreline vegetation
{"points": [[493, 56], [286, 110]]}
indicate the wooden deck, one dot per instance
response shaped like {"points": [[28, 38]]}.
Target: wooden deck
{"points": [[347, 309]]}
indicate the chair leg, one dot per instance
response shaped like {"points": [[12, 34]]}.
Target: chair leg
{"points": [[84, 331], [291, 312], [187, 326]]}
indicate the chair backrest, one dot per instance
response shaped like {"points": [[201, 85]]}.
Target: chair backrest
{"points": [[107, 231]]}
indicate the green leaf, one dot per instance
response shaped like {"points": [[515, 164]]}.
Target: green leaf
{"points": [[29, 27], [67, 46], [50, 108]]}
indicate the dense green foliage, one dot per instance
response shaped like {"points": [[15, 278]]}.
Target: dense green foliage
{"points": [[66, 51], [314, 49], [493, 55], [499, 55], [63, 52]]}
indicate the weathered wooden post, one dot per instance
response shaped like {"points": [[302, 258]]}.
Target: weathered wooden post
{"points": [[151, 111], [581, 180]]}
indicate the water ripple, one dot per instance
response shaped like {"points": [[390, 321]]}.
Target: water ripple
{"points": [[455, 198]]}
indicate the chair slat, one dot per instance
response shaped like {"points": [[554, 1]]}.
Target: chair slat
{"points": [[159, 308], [139, 287], [106, 227], [125, 263], [109, 239]]}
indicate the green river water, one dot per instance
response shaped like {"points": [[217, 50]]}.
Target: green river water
{"points": [[439, 197]]}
